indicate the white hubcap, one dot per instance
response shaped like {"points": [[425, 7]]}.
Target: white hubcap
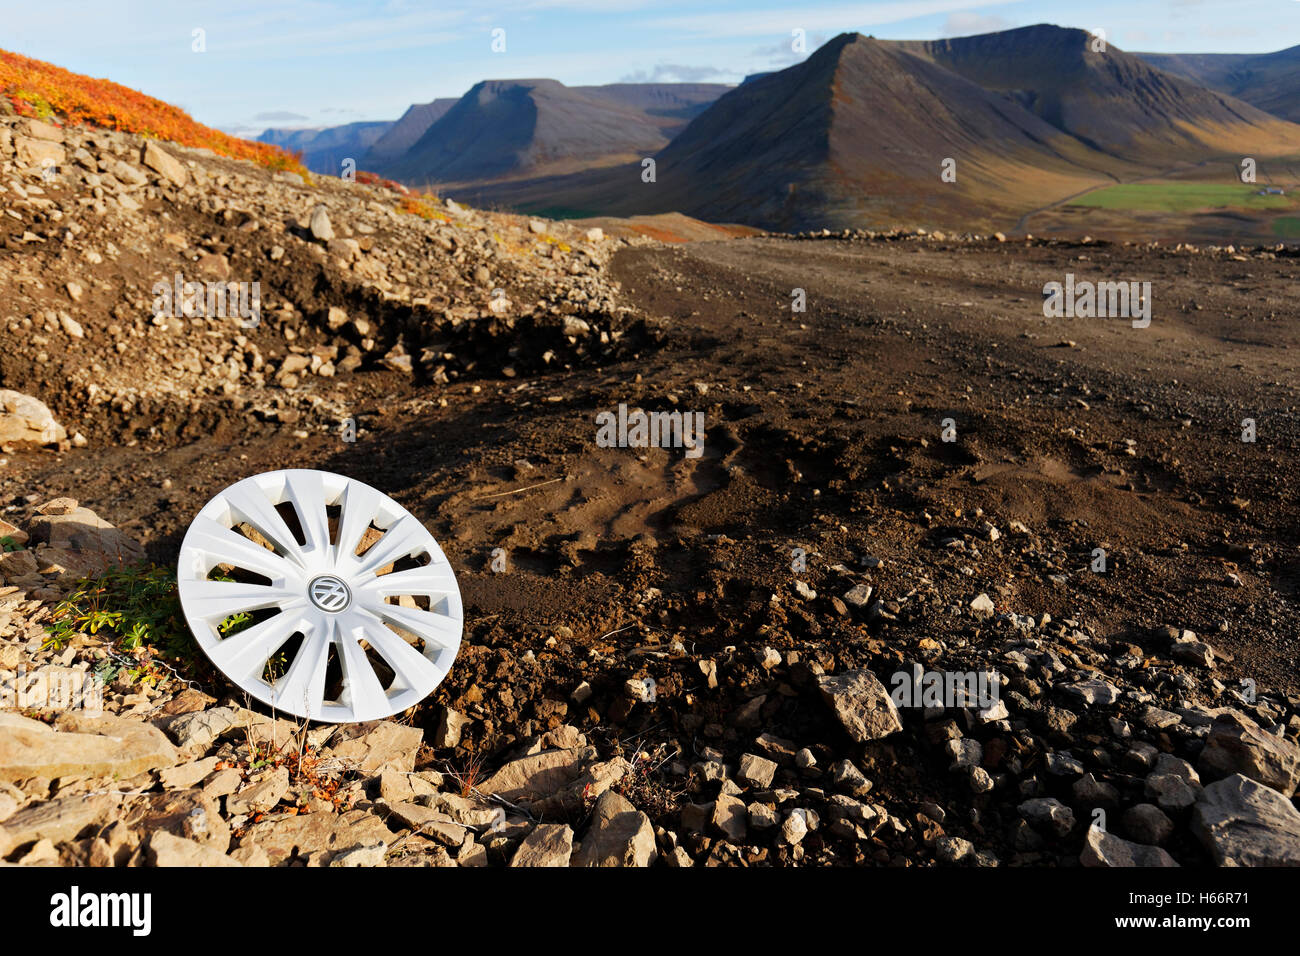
{"points": [[320, 596]]}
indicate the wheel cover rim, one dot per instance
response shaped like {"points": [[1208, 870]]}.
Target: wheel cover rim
{"points": [[372, 633]]}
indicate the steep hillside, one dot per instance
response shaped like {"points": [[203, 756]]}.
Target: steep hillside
{"points": [[510, 128], [402, 135], [1269, 81], [44, 91], [670, 106]]}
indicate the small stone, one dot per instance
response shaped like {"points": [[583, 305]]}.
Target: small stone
{"points": [[980, 780], [451, 724], [795, 827], [847, 776], [729, 816], [762, 816], [859, 595], [619, 835], [549, 845], [756, 771], [1048, 813], [1147, 823], [163, 163], [367, 855], [1092, 691], [1102, 849], [260, 796], [952, 850], [319, 224], [862, 704]]}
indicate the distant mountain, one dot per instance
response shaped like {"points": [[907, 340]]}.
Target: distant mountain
{"points": [[1269, 81], [324, 148], [857, 133], [403, 134], [508, 128], [1112, 100], [670, 106]]}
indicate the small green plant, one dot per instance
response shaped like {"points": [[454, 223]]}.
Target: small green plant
{"points": [[137, 603], [39, 105], [7, 543], [140, 607]]}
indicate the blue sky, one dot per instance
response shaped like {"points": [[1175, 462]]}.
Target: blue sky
{"points": [[325, 62]]}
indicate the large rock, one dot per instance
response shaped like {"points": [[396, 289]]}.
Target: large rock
{"points": [[27, 419], [40, 130], [378, 745], [260, 796], [1244, 823], [538, 775], [550, 844], [620, 835], [862, 704], [166, 849], [38, 152], [164, 164], [189, 814], [196, 731], [1102, 849], [1236, 744], [59, 820], [314, 838], [80, 542], [80, 746]]}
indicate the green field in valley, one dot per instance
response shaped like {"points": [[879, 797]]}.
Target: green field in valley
{"points": [[1183, 197], [1287, 227]]}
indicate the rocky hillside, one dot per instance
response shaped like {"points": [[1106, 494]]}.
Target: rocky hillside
{"points": [[350, 278]]}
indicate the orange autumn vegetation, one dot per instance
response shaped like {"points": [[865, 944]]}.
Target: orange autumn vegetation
{"points": [[45, 91]]}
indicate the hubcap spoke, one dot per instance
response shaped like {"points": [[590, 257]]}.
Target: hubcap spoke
{"points": [[251, 504], [428, 581], [302, 689], [218, 600], [242, 657], [437, 629], [307, 492], [410, 665], [237, 550], [364, 692], [406, 537]]}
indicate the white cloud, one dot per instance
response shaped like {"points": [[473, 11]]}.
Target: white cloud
{"points": [[965, 23], [832, 19]]}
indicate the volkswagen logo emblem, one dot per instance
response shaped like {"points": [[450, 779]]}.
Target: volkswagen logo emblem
{"points": [[329, 593]]}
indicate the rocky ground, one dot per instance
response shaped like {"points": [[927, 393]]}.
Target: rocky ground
{"points": [[685, 661]]}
